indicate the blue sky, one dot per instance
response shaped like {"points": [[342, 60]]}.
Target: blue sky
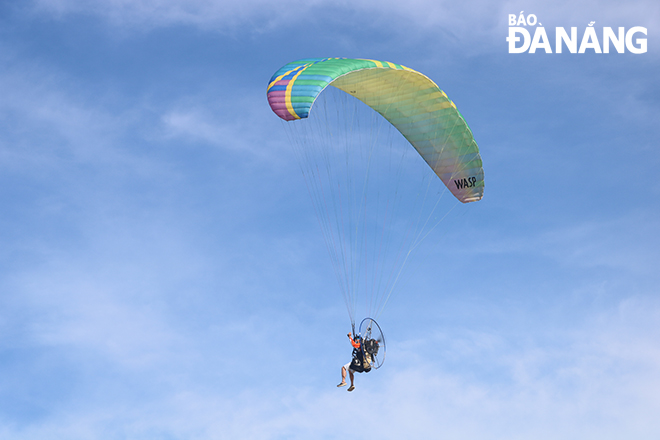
{"points": [[162, 274]]}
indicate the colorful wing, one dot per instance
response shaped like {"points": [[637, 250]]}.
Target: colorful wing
{"points": [[409, 100]]}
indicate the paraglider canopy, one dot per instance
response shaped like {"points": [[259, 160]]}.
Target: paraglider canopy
{"points": [[409, 100]]}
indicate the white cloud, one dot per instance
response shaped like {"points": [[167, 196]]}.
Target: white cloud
{"points": [[155, 13], [208, 125], [472, 25], [598, 382], [51, 124], [610, 243]]}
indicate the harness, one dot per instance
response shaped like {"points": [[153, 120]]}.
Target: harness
{"points": [[360, 363]]}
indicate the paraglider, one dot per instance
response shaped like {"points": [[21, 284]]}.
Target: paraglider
{"points": [[359, 175], [357, 364], [368, 351]]}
